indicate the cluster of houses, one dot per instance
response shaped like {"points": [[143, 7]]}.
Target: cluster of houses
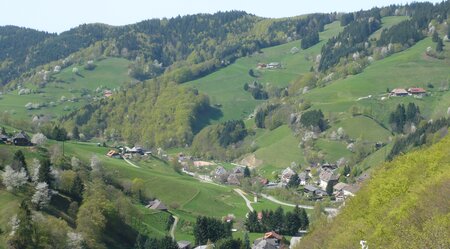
{"points": [[317, 188], [412, 91], [234, 176], [271, 65], [270, 240], [127, 152], [19, 139]]}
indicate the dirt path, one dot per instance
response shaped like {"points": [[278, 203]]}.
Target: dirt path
{"points": [[174, 227], [130, 163], [247, 201]]}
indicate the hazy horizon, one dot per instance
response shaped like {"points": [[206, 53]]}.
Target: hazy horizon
{"points": [[52, 16]]}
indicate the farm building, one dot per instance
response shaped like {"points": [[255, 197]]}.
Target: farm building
{"points": [[3, 138], [157, 205], [274, 65], [399, 92], [113, 154], [416, 91], [21, 139]]}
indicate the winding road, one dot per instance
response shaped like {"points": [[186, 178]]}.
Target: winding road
{"points": [[174, 226], [247, 201]]}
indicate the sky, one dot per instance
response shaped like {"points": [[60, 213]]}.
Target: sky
{"points": [[57, 16]]}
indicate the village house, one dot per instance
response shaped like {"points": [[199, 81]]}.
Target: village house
{"points": [[220, 174], [21, 139], [286, 175], [327, 177], [303, 177], [329, 166], [233, 179], [157, 205], [271, 240], [183, 244], [399, 92], [350, 190]]}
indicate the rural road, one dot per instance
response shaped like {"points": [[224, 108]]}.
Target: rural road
{"points": [[241, 193], [130, 163], [174, 226], [272, 199]]}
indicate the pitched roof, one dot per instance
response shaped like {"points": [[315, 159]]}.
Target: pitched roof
{"points": [[183, 244], [339, 186], [310, 188], [327, 176], [21, 135], [233, 179], [399, 91], [272, 234], [416, 90], [156, 204]]}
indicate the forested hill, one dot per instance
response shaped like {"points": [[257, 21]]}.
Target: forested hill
{"points": [[405, 205], [206, 40]]}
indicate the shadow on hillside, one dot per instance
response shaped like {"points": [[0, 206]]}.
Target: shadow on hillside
{"points": [[205, 117]]}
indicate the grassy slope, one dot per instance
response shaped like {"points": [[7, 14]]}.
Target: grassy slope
{"points": [[405, 205], [277, 149], [388, 22], [110, 73], [225, 86], [405, 69]]}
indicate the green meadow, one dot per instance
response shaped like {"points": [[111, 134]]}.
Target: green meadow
{"points": [[110, 73]]}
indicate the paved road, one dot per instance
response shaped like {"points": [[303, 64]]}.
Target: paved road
{"points": [[272, 199], [241, 193], [174, 226], [130, 163]]}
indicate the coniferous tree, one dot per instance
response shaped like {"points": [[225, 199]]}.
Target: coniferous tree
{"points": [[435, 37], [19, 162], [294, 181], [45, 174], [439, 46], [77, 188], [25, 233], [246, 172]]}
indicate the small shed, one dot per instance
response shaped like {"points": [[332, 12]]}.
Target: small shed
{"points": [[157, 205]]}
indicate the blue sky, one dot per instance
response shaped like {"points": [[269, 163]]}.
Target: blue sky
{"points": [[58, 16]]}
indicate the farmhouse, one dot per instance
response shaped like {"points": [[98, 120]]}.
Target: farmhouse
{"points": [[21, 139], [399, 92], [157, 205], [274, 65], [328, 177], [3, 138], [350, 190], [107, 93], [417, 91], [286, 175]]}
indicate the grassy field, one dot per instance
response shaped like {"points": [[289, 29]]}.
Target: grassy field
{"points": [[225, 87], [388, 22], [110, 73], [277, 149]]}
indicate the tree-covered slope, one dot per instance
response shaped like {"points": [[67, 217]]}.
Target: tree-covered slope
{"points": [[404, 205]]}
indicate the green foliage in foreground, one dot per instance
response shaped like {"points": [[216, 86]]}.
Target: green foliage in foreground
{"points": [[405, 205]]}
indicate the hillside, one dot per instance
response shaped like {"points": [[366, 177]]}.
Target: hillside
{"points": [[405, 205]]}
